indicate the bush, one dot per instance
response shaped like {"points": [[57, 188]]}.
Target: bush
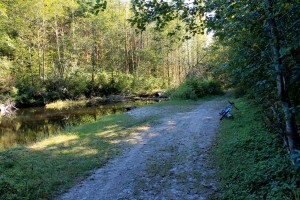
{"points": [[146, 85], [74, 88], [30, 96], [107, 84], [121, 83], [215, 87], [193, 88], [184, 92]]}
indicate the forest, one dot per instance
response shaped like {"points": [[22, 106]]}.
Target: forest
{"points": [[52, 50]]}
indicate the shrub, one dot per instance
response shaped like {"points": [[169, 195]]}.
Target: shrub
{"points": [[184, 92], [146, 85], [215, 87], [193, 88], [30, 96], [112, 84]]}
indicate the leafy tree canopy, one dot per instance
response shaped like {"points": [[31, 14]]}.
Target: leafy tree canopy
{"points": [[191, 13]]}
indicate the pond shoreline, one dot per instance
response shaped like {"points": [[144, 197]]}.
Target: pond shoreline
{"points": [[157, 96]]}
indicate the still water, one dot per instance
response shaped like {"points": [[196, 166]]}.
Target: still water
{"points": [[30, 125]]}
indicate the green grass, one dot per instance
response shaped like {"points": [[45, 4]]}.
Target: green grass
{"points": [[52, 165], [251, 161], [49, 167]]}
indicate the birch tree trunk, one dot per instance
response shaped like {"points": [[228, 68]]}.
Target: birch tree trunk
{"points": [[30, 64], [58, 48]]}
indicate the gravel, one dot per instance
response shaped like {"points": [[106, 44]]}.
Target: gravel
{"points": [[168, 160]]}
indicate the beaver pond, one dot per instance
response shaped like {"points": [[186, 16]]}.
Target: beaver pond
{"points": [[30, 125]]}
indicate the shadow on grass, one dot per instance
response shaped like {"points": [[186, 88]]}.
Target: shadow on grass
{"points": [[51, 166]]}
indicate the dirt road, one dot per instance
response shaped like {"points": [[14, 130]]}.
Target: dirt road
{"points": [[167, 161]]}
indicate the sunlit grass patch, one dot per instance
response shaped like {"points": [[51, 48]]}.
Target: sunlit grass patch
{"points": [[65, 104], [52, 165], [55, 140]]}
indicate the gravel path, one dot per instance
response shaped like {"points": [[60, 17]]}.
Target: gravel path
{"points": [[167, 160]]}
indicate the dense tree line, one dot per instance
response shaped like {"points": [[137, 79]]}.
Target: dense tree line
{"points": [[262, 52], [70, 49], [257, 50]]}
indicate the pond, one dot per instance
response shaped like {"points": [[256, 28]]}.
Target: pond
{"points": [[31, 125]]}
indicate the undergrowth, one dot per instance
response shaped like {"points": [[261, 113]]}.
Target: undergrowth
{"points": [[194, 88], [251, 161]]}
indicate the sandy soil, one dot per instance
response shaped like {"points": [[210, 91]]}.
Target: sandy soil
{"points": [[168, 160]]}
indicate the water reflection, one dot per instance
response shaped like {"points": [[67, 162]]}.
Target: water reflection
{"points": [[34, 124]]}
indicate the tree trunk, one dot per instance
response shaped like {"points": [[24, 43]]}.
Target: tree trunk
{"points": [[94, 49], [188, 55], [74, 53], [43, 50], [58, 48], [290, 120], [30, 64], [125, 45], [169, 70], [43, 42], [132, 53]]}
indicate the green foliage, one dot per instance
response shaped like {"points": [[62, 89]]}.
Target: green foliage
{"points": [[75, 88], [78, 86], [146, 85], [116, 84], [164, 12], [6, 79], [252, 33], [184, 92], [193, 88], [120, 83], [29, 95], [100, 6], [252, 162]]}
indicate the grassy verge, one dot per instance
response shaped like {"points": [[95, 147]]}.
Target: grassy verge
{"points": [[252, 162], [49, 167]]}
